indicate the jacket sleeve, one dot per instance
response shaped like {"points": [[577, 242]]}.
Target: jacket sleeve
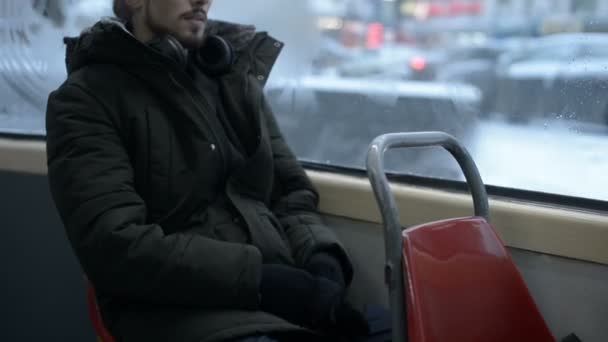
{"points": [[91, 181], [296, 205]]}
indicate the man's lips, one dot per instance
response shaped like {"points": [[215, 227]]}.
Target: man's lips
{"points": [[198, 15]]}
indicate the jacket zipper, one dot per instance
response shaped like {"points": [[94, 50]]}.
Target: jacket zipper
{"points": [[202, 111]]}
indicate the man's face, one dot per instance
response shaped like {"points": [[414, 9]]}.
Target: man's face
{"points": [[183, 19]]}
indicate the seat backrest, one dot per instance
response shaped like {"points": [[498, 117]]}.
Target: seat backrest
{"points": [[462, 286], [95, 316]]}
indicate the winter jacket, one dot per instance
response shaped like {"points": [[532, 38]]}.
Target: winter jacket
{"points": [[169, 220]]}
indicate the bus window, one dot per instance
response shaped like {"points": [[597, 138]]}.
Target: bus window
{"points": [[526, 96]]}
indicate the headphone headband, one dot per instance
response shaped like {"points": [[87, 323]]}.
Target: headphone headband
{"points": [[215, 57]]}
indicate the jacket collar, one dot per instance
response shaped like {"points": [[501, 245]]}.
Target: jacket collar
{"points": [[110, 42]]}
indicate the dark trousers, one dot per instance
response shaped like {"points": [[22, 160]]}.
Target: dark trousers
{"points": [[379, 320]]}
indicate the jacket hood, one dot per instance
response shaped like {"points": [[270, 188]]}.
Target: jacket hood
{"points": [[109, 42]]}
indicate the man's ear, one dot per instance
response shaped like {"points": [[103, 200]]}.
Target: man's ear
{"points": [[135, 5]]}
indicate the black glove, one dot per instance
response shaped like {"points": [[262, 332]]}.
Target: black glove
{"points": [[295, 295], [327, 266], [350, 322]]}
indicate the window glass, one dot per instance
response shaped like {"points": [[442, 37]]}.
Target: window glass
{"points": [[521, 83], [32, 55]]}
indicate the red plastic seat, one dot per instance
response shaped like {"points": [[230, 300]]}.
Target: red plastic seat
{"points": [[462, 286], [95, 316]]}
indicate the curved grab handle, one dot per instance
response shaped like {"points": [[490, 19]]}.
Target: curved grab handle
{"points": [[390, 213]]}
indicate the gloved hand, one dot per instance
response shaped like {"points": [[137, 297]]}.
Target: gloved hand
{"points": [[325, 265], [349, 322], [295, 295]]}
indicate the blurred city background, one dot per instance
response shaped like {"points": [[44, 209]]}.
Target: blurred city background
{"points": [[522, 83]]}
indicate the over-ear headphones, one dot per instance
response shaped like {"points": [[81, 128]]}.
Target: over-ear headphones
{"points": [[169, 47], [215, 57]]}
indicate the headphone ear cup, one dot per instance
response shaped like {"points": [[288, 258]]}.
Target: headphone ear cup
{"points": [[180, 53], [216, 56], [171, 48]]}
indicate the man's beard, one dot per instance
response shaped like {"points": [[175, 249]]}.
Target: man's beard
{"points": [[191, 42]]}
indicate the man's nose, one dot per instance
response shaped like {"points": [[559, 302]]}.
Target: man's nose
{"points": [[199, 3]]}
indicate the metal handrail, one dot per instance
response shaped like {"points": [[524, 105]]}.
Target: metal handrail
{"points": [[390, 214]]}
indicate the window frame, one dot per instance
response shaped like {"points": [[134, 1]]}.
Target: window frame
{"points": [[527, 196]]}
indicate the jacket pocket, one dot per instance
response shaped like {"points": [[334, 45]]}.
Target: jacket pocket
{"points": [[231, 232], [270, 237], [273, 222]]}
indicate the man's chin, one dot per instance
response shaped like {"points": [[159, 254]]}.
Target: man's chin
{"points": [[191, 41]]}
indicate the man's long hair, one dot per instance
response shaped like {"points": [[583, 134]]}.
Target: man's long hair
{"points": [[121, 10]]}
